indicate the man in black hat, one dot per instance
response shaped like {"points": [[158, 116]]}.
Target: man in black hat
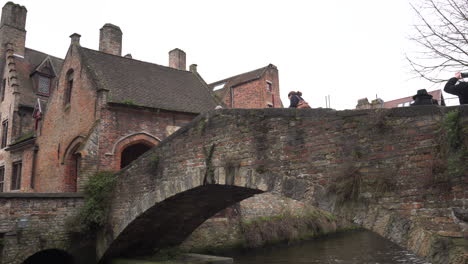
{"points": [[460, 89], [423, 98]]}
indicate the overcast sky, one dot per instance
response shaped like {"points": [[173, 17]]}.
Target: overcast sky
{"points": [[345, 49]]}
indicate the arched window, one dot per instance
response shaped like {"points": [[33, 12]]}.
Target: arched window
{"points": [[69, 86], [132, 152]]}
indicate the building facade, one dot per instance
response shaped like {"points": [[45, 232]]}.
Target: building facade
{"points": [[63, 120]]}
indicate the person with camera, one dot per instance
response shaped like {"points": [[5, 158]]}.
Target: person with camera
{"points": [[460, 89]]}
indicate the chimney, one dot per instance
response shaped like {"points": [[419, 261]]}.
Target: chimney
{"points": [[193, 68], [110, 39], [177, 59], [12, 27], [75, 39]]}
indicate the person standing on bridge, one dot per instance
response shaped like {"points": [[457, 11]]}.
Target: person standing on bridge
{"points": [[296, 100], [460, 89]]}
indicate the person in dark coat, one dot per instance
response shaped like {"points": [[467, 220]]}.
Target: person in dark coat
{"points": [[460, 89], [293, 99], [423, 98]]}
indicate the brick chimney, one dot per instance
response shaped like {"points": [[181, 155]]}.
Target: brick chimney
{"points": [[110, 39], [12, 27], [75, 39], [177, 59]]}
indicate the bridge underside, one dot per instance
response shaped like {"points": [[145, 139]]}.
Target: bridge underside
{"points": [[171, 221]]}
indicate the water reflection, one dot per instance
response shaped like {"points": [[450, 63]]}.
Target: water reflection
{"points": [[354, 247]]}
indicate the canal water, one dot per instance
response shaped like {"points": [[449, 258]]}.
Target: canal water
{"points": [[353, 247]]}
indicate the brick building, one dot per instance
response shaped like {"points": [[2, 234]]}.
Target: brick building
{"points": [[255, 89], [65, 119]]}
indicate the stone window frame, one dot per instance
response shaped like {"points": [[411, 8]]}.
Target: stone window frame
{"points": [[2, 178], [16, 173]]}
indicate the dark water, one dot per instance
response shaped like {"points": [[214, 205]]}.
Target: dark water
{"points": [[352, 247]]}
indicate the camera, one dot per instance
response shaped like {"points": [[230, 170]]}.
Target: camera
{"points": [[464, 74]]}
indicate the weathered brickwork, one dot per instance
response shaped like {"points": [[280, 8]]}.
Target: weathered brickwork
{"points": [[122, 126], [65, 125], [31, 223], [255, 94], [297, 154]]}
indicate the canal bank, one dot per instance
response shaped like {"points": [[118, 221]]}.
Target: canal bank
{"points": [[259, 221]]}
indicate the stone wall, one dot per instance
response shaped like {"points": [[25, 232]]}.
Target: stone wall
{"points": [[30, 223], [301, 154]]}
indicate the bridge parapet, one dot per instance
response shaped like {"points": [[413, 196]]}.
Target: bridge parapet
{"points": [[228, 155]]}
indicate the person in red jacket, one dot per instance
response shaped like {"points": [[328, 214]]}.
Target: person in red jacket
{"points": [[460, 89]]}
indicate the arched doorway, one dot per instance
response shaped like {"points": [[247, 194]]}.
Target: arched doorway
{"points": [[132, 152], [50, 256], [72, 162]]}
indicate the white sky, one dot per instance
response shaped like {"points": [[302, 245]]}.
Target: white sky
{"points": [[345, 49]]}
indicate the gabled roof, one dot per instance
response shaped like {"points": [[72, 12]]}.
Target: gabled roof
{"points": [[239, 79], [146, 84], [26, 66]]}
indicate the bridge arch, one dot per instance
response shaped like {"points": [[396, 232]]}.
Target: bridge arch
{"points": [[172, 220], [294, 153], [50, 256]]}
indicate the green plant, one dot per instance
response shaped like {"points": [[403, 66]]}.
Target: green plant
{"points": [[209, 173], [451, 149], [154, 161], [128, 102], [346, 185], [286, 227], [92, 215], [24, 137]]}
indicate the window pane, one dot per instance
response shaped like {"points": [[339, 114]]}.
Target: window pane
{"points": [[2, 178], [44, 85]]}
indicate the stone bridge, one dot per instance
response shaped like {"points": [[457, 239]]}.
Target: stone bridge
{"points": [[33, 226], [395, 158]]}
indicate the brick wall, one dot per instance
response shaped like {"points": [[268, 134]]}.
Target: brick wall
{"points": [[254, 94], [122, 126], [64, 124], [34, 222]]}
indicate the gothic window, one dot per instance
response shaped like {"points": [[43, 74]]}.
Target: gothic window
{"points": [[43, 86], [69, 87], [2, 178], [16, 176], [4, 133]]}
